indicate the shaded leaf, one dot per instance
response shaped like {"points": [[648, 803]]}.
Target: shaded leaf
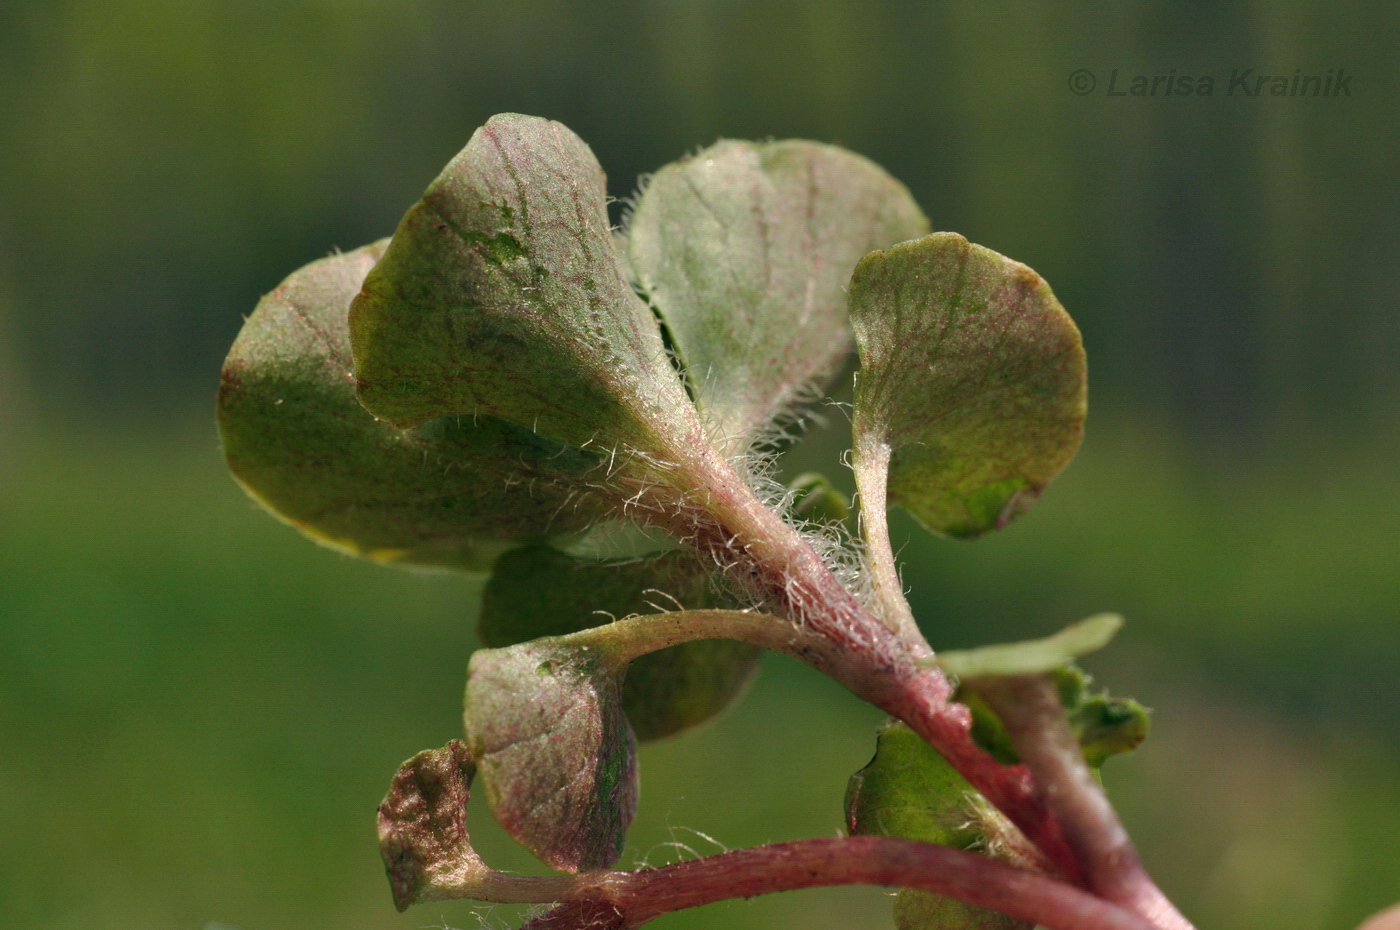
{"points": [[971, 389], [423, 827], [453, 492], [919, 910], [987, 729], [816, 499], [539, 591], [501, 293], [1034, 656], [554, 750], [909, 791], [745, 250]]}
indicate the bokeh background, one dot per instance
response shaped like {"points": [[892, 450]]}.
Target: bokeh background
{"points": [[199, 710]]}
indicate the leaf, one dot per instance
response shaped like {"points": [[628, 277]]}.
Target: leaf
{"points": [[909, 791], [423, 827], [1034, 656], [501, 293], [816, 499], [745, 250], [453, 492], [555, 752], [987, 729], [919, 910], [538, 591], [971, 389], [1104, 726]]}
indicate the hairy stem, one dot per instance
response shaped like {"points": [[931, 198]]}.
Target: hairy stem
{"points": [[887, 665], [1029, 708], [872, 481], [883, 666], [919, 697], [623, 900]]}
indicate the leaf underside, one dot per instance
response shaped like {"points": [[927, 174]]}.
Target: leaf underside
{"points": [[453, 492], [745, 250], [555, 753], [539, 591], [1035, 656], [501, 293], [971, 382]]}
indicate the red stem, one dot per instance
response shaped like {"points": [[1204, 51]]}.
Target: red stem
{"points": [[1029, 707], [631, 899], [879, 664]]}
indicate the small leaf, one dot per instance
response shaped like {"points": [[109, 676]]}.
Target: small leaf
{"points": [[555, 752], [501, 293], [423, 828], [815, 498], [909, 791], [1104, 726], [538, 591], [453, 492], [745, 250], [1034, 656], [971, 389], [919, 910], [987, 729]]}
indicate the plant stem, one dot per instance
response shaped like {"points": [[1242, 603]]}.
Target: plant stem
{"points": [[885, 663], [878, 664], [623, 900], [1029, 708], [918, 696], [872, 482]]}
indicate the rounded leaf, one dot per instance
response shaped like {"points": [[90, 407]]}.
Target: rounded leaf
{"points": [[452, 492], [502, 294], [555, 753], [971, 389], [745, 249]]}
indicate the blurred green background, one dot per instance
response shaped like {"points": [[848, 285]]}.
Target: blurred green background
{"points": [[199, 710]]}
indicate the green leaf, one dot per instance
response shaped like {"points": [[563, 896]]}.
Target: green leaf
{"points": [[909, 791], [555, 753], [1104, 726], [987, 729], [501, 293], [423, 827], [1034, 656], [815, 498], [539, 591], [919, 910], [453, 492], [745, 250], [971, 390]]}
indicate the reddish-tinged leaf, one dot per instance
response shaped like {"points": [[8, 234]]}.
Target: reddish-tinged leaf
{"points": [[555, 752], [971, 389], [745, 249]]}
